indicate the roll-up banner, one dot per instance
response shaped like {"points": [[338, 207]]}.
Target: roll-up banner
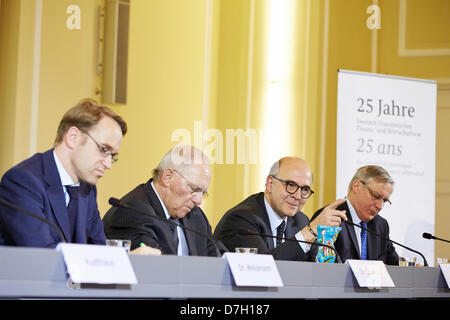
{"points": [[390, 121]]}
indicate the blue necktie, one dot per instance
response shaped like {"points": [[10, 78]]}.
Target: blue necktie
{"points": [[363, 241], [72, 209]]}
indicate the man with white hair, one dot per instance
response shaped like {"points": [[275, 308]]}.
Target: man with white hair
{"points": [[175, 192]]}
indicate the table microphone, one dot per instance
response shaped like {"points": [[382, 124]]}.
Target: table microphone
{"points": [[247, 232], [425, 263], [31, 214], [146, 210], [427, 235]]}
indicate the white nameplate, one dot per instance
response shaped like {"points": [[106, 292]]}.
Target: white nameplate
{"points": [[445, 267], [256, 270], [97, 264], [371, 274]]}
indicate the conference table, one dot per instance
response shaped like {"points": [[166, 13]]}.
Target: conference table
{"points": [[30, 273]]}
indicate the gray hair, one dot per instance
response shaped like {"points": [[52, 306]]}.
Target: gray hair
{"points": [[369, 173], [180, 157], [275, 168]]}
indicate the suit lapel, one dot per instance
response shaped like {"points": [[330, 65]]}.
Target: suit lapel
{"points": [[153, 199], [371, 242], [159, 211], [55, 193], [262, 213], [189, 221]]}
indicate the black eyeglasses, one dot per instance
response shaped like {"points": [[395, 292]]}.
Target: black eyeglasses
{"points": [[103, 149], [292, 187], [193, 187], [376, 196]]}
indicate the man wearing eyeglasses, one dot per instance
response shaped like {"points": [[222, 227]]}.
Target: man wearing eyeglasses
{"points": [[59, 184], [276, 211], [368, 192], [174, 193]]}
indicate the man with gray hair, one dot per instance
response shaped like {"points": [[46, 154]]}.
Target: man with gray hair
{"points": [[177, 188], [368, 192]]}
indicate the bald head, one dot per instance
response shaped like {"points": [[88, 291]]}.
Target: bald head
{"points": [[289, 164]]}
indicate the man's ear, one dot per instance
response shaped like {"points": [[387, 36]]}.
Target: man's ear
{"points": [[72, 137], [167, 177], [356, 185], [269, 181]]}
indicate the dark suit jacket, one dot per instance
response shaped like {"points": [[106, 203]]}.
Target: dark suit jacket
{"points": [[252, 214], [35, 185], [377, 248], [140, 227]]}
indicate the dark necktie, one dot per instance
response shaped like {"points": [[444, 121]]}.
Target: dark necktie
{"points": [[281, 232], [173, 228], [363, 241], [72, 208]]}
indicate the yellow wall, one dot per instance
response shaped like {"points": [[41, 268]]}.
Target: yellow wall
{"points": [[205, 60], [165, 88]]}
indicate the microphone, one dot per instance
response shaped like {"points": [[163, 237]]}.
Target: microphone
{"points": [[425, 263], [31, 214], [427, 235], [248, 232], [120, 204]]}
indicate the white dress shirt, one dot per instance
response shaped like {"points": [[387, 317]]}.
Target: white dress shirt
{"points": [[183, 249], [356, 220], [275, 221], [66, 180]]}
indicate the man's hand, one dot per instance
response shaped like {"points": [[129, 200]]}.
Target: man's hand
{"points": [[147, 251], [328, 217]]}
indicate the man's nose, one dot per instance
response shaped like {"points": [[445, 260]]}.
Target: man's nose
{"points": [[198, 198], [107, 162]]}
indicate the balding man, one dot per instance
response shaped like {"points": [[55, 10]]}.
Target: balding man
{"points": [[176, 190], [276, 211]]}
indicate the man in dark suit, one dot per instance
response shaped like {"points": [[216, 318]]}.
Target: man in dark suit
{"points": [[276, 211], [59, 184], [177, 188], [368, 191]]}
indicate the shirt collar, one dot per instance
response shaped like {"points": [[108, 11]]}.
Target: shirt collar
{"points": [[355, 218], [162, 203], [66, 180], [274, 218]]}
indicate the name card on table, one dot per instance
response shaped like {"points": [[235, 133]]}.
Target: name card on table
{"points": [[256, 270], [97, 264], [371, 274], [445, 267]]}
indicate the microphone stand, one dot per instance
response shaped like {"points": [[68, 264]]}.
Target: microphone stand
{"points": [[31, 214], [117, 203], [253, 233], [425, 263]]}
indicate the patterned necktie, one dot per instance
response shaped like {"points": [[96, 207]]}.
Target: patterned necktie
{"points": [[281, 232], [363, 241], [72, 208]]}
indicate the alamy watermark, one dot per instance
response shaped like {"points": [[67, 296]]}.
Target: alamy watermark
{"points": [[231, 146]]}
